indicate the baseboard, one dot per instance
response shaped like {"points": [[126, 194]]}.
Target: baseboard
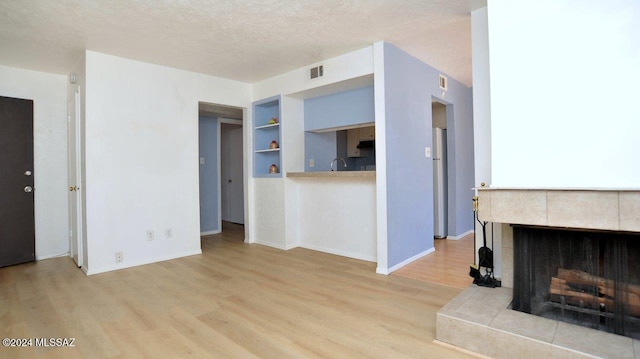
{"points": [[271, 244], [48, 256], [109, 268], [458, 237], [208, 233], [409, 260], [359, 256]]}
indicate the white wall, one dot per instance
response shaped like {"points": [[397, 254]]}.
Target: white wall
{"points": [[348, 66], [337, 215], [481, 96], [564, 93], [292, 132], [48, 92], [142, 158], [482, 125]]}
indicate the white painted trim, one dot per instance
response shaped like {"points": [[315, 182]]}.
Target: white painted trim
{"points": [[381, 158], [142, 262], [230, 121], [271, 244], [247, 165], [458, 237], [79, 230], [219, 172], [409, 260], [360, 256], [207, 233], [55, 255]]}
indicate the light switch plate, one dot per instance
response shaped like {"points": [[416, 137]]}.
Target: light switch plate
{"points": [[427, 151], [201, 160], [312, 163]]}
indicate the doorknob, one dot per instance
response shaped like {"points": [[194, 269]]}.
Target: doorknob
{"points": [[27, 173], [28, 189]]}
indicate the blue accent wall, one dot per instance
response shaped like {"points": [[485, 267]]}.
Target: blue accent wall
{"points": [[321, 147], [352, 107], [209, 185], [346, 108], [324, 147], [410, 87]]}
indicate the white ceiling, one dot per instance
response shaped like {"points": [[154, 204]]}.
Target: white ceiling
{"points": [[245, 40]]}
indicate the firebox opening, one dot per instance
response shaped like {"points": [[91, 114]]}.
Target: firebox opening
{"points": [[588, 278]]}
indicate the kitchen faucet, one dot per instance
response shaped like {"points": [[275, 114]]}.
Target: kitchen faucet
{"points": [[335, 159]]}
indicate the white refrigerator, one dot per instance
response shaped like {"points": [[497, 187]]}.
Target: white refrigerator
{"points": [[440, 182]]}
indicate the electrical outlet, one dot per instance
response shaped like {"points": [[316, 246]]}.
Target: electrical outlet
{"points": [[312, 163], [118, 257], [168, 233], [149, 235]]}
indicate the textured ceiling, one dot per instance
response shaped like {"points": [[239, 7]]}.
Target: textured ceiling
{"points": [[245, 40]]}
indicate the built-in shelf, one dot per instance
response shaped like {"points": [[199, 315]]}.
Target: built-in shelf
{"points": [[264, 133], [267, 126]]}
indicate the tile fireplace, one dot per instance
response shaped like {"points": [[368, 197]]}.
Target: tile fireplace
{"points": [[481, 319]]}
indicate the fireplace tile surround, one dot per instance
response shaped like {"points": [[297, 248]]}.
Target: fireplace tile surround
{"points": [[479, 320], [615, 210]]}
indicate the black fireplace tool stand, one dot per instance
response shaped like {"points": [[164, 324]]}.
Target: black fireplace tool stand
{"points": [[485, 256]]}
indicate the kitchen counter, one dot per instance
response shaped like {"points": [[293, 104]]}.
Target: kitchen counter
{"points": [[334, 174]]}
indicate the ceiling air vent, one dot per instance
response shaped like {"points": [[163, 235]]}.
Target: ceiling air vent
{"points": [[443, 83], [316, 72]]}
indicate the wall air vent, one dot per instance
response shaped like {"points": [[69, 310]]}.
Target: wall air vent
{"points": [[316, 72], [443, 82]]}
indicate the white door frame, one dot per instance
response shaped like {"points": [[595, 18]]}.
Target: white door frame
{"points": [[74, 143]]}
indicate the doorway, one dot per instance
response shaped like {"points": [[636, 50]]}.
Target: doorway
{"points": [[221, 162], [231, 173], [440, 173], [17, 215]]}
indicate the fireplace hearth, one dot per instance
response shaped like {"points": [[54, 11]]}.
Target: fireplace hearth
{"points": [[587, 278]]}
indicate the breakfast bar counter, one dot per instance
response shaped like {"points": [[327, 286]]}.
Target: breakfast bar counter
{"points": [[334, 174]]}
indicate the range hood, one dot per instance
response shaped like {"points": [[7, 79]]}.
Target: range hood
{"points": [[367, 144]]}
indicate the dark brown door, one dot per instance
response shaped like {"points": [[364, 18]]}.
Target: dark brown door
{"points": [[17, 225]]}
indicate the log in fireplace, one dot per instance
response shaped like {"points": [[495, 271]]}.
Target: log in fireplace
{"points": [[584, 277]]}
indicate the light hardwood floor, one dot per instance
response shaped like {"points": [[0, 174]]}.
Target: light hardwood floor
{"points": [[234, 301], [448, 265]]}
